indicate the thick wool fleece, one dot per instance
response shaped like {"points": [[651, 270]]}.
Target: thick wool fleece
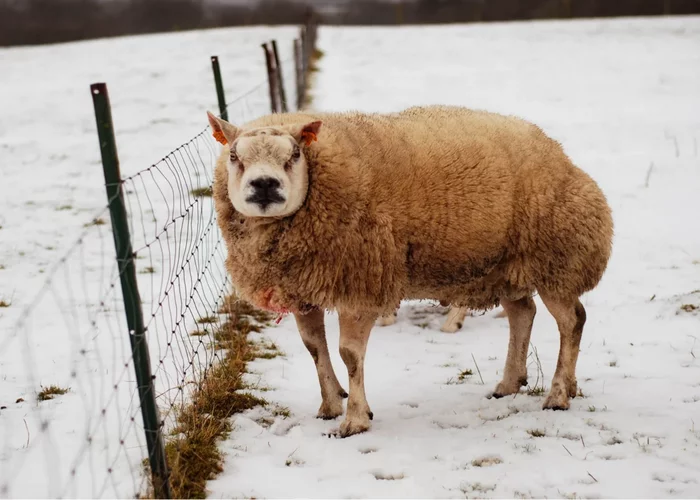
{"points": [[444, 203]]}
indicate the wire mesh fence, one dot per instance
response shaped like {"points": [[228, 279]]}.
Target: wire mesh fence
{"points": [[76, 427]]}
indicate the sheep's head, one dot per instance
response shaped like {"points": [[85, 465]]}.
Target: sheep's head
{"points": [[267, 169]]}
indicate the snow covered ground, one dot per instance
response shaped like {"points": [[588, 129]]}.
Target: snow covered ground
{"points": [[622, 96], [89, 442]]}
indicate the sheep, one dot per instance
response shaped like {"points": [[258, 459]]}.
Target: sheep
{"points": [[453, 322], [354, 212]]}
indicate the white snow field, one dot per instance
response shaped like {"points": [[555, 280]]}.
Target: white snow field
{"points": [[63, 289], [623, 97]]}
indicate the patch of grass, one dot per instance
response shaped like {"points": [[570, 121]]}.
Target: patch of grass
{"points": [[689, 308], [537, 433], [536, 391], [613, 363], [487, 461], [293, 461], [192, 453], [206, 320], [95, 222], [4, 303], [281, 411], [2, 267], [313, 68], [477, 487], [570, 436], [147, 270], [202, 192], [318, 53], [591, 408], [50, 392], [614, 440], [269, 354], [200, 333], [461, 378], [265, 350], [63, 208], [464, 375], [527, 448]]}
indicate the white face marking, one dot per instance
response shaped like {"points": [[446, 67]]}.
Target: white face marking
{"points": [[267, 174]]}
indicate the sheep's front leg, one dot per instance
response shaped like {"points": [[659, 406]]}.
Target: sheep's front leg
{"points": [[354, 334], [313, 333]]}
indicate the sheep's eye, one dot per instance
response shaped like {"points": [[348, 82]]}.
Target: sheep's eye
{"points": [[296, 153], [233, 157]]}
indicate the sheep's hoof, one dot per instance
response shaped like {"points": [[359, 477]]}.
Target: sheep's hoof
{"points": [[329, 411], [507, 388], [451, 327], [557, 399], [355, 426]]}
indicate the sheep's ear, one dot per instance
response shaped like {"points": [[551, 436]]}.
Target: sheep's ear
{"points": [[223, 131], [306, 133]]}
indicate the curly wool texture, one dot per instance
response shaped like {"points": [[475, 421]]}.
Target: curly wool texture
{"points": [[445, 203]]}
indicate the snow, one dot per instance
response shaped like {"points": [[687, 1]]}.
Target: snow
{"points": [[621, 96], [65, 323]]}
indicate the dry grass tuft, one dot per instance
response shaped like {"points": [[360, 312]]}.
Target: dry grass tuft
{"points": [[313, 68], [50, 392], [464, 375], [537, 433], [536, 391], [486, 461], [192, 454], [202, 192], [95, 222]]}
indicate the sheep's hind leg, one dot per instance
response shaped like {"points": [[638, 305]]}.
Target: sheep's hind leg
{"points": [[313, 333], [570, 316], [454, 320], [354, 334], [521, 314]]}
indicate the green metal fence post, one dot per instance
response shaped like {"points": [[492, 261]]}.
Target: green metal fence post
{"points": [[219, 87], [130, 292]]}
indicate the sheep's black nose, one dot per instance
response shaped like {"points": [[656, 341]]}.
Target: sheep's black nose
{"points": [[265, 192], [265, 183]]}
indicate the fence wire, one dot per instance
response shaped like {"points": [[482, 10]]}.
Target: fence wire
{"points": [[72, 426]]}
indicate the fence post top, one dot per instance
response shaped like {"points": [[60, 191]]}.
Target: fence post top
{"points": [[98, 88]]}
